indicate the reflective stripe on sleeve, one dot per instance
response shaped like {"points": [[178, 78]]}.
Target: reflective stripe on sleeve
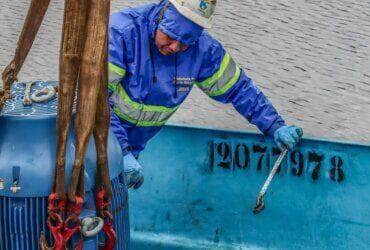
{"points": [[223, 80]]}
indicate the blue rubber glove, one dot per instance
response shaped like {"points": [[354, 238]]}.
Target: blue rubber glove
{"points": [[288, 137], [134, 175]]}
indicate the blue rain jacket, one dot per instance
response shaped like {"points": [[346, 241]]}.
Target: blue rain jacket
{"points": [[146, 87]]}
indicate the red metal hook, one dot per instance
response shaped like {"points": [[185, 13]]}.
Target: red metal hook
{"points": [[72, 224], [102, 203], [103, 208], [55, 223], [111, 236], [56, 207], [62, 231]]}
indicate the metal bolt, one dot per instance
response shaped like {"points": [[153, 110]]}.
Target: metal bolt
{"points": [[15, 189]]}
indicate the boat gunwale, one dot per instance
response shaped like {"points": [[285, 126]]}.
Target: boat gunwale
{"points": [[251, 132]]}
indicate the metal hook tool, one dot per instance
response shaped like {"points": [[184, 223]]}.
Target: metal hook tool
{"points": [[260, 204]]}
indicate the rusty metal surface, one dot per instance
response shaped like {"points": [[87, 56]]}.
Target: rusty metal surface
{"points": [[310, 57]]}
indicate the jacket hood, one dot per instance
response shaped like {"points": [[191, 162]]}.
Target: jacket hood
{"points": [[174, 24]]}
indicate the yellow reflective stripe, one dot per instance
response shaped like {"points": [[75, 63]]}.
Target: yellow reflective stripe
{"points": [[213, 79], [137, 113], [223, 80], [116, 75], [138, 122], [131, 111], [116, 69], [143, 107], [227, 86], [112, 86]]}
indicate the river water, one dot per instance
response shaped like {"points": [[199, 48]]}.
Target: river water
{"points": [[311, 57]]}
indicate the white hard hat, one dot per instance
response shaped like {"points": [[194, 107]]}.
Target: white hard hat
{"points": [[198, 11]]}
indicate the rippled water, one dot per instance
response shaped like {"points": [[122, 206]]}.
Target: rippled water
{"points": [[310, 57]]}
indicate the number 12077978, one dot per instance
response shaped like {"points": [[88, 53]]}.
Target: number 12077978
{"points": [[259, 157]]}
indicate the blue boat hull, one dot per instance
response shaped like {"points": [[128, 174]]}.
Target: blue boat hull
{"points": [[201, 186]]}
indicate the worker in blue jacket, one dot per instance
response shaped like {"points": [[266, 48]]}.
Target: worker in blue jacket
{"points": [[157, 53]]}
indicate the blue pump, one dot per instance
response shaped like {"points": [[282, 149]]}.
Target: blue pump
{"points": [[27, 153]]}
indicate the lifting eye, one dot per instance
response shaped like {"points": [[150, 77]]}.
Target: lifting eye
{"points": [[44, 94]]}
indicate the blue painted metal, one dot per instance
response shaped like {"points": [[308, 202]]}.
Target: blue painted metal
{"points": [[26, 133], [27, 160], [200, 190], [23, 219]]}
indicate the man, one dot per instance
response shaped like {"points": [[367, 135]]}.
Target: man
{"points": [[157, 53]]}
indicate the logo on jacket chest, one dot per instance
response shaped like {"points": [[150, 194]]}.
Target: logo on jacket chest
{"points": [[184, 84]]}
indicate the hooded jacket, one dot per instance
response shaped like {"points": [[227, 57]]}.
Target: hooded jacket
{"points": [[146, 87]]}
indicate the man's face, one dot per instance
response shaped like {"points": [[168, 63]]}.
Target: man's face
{"points": [[168, 46]]}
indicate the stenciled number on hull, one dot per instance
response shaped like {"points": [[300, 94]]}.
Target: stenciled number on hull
{"points": [[296, 158], [336, 172], [242, 156], [316, 159], [257, 156], [261, 150]]}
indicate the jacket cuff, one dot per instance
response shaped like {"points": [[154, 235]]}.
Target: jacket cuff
{"points": [[275, 126]]}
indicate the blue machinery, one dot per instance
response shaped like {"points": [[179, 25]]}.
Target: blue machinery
{"points": [[199, 191], [27, 153]]}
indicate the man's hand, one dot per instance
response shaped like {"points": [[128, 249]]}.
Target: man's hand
{"points": [[288, 136], [133, 171]]}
